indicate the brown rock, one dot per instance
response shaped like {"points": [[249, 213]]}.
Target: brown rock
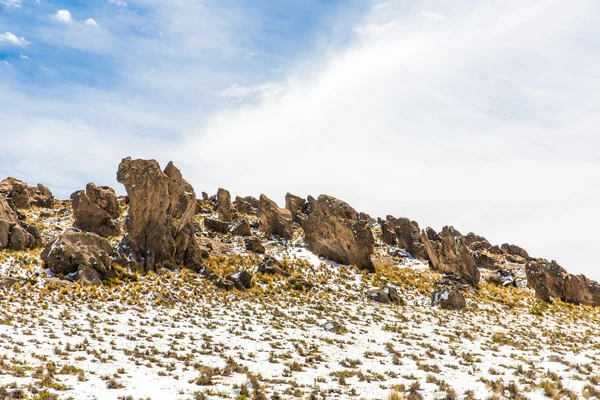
{"points": [[7, 282], [449, 298], [406, 234], [241, 227], [241, 280], [247, 205], [95, 210], [550, 280], [161, 208], [6, 213], [271, 266], [215, 225], [334, 231], [274, 220], [448, 254], [22, 196], [296, 205], [20, 239], [515, 250], [387, 295], [254, 244], [4, 233], [224, 205], [77, 251], [88, 277]]}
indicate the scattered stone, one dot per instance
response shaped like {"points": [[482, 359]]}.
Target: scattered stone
{"points": [[242, 280], [300, 284], [88, 277], [274, 220], [449, 298], [254, 244], [56, 284], [7, 282], [334, 231], [271, 266], [387, 295]]}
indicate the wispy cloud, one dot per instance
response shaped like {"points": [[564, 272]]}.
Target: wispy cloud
{"points": [[254, 92], [120, 3], [11, 3], [91, 22], [12, 39]]}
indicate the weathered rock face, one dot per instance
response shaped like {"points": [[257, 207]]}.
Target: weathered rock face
{"points": [[448, 254], [247, 205], [550, 280], [406, 234], [80, 252], [514, 250], [254, 244], [274, 220], [216, 225], [22, 196], [224, 205], [297, 206], [96, 209], [449, 298], [271, 266], [161, 206], [16, 235], [241, 227], [334, 231]]}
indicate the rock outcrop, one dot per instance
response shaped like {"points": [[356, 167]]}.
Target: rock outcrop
{"points": [[87, 255], [255, 245], [550, 280], [224, 205], [158, 225], [448, 253], [274, 220], [16, 235], [241, 227], [297, 206], [247, 205], [406, 234], [387, 295], [96, 210], [334, 231], [22, 196]]}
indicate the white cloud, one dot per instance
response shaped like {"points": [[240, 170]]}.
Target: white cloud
{"points": [[253, 92], [12, 39], [11, 3], [63, 16], [435, 16], [24, 57], [118, 3], [91, 22]]}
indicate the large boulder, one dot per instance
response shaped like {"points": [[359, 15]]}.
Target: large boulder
{"points": [[406, 234], [161, 207], [334, 231], [297, 206], [78, 253], [255, 245], [386, 295], [448, 253], [224, 205], [550, 280], [22, 196], [241, 227], [274, 220], [96, 209], [514, 250]]}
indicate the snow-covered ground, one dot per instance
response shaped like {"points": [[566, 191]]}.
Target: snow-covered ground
{"points": [[174, 335]]}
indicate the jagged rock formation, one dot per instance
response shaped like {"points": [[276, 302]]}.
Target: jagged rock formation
{"points": [[241, 227], [86, 254], [96, 210], [16, 235], [550, 280], [297, 206], [274, 220], [406, 234], [22, 196], [247, 205], [334, 231], [224, 205], [448, 253], [161, 206]]}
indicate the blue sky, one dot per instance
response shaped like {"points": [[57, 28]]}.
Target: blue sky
{"points": [[479, 114]]}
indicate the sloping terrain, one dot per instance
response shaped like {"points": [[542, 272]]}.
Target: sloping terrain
{"points": [[174, 334]]}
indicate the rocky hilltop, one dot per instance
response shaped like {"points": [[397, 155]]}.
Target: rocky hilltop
{"points": [[191, 259]]}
